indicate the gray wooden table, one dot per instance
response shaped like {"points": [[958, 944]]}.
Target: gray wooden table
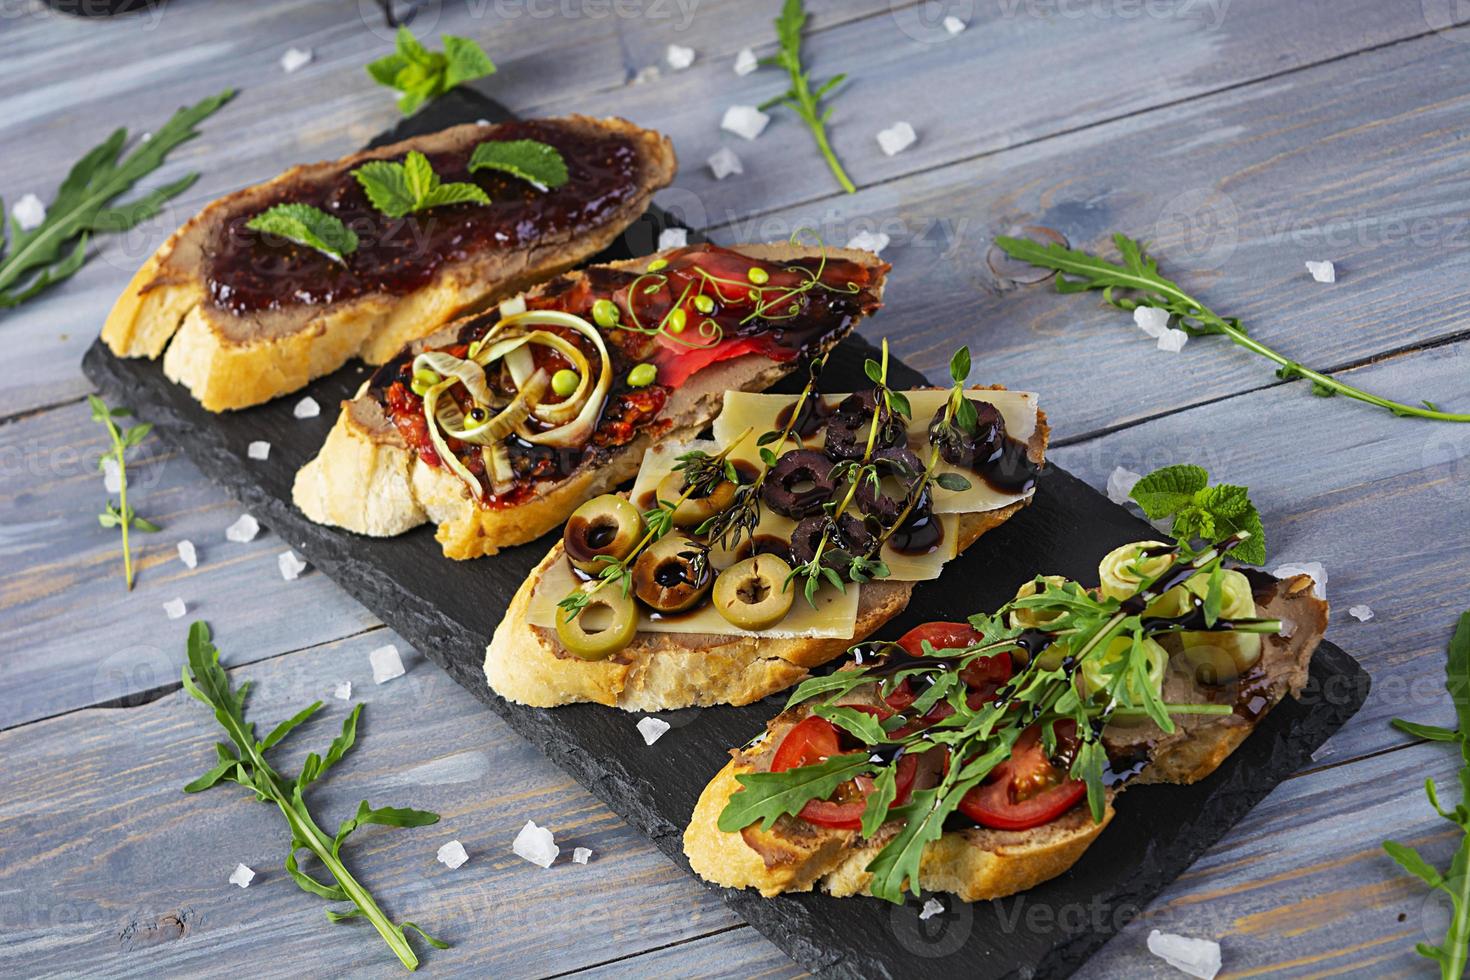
{"points": [[1242, 138]]}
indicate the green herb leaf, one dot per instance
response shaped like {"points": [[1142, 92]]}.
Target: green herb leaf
{"points": [[953, 482], [1166, 491], [121, 514], [885, 791], [532, 161], [420, 74], [400, 189], [896, 867], [859, 723], [1432, 732], [1182, 492], [959, 365], [309, 226], [801, 97], [768, 796]]}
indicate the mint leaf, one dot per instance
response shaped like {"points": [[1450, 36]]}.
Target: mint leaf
{"points": [[309, 226], [399, 189], [530, 160], [1199, 510], [467, 61], [1170, 489], [420, 74], [768, 796]]}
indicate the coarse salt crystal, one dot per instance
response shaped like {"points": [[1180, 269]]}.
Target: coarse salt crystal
{"points": [[652, 729], [291, 567], [932, 907], [724, 162], [245, 529], [679, 57], [871, 241], [111, 475], [175, 608], [259, 449], [953, 24], [536, 844], [581, 854], [1172, 340], [453, 854], [29, 212], [744, 120], [343, 691], [387, 664], [187, 554], [746, 62], [1322, 271], [896, 138], [1151, 320], [1361, 613], [307, 408], [1312, 568], [649, 74], [673, 238], [1121, 483], [242, 876], [1196, 957], [295, 58]]}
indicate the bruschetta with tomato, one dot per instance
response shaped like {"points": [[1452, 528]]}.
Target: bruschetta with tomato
{"points": [[982, 758]]}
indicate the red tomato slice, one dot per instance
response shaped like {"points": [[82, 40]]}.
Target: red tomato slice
{"points": [[812, 740], [941, 636], [1026, 790], [815, 739]]}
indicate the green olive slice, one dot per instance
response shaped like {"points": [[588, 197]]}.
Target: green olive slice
{"points": [[606, 526], [695, 510], [604, 626], [672, 573], [752, 594]]}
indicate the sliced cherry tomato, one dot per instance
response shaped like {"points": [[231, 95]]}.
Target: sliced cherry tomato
{"points": [[811, 741], [941, 636], [1026, 790]]}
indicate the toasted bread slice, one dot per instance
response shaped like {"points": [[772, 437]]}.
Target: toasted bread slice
{"points": [[236, 337], [367, 479], [978, 863]]}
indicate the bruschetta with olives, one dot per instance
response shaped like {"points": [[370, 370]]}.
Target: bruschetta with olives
{"points": [[982, 758], [498, 426], [735, 566], [282, 282]]}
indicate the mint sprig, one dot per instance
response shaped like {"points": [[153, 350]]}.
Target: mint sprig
{"points": [[309, 226], [1183, 492], [400, 189], [420, 74], [531, 160]]}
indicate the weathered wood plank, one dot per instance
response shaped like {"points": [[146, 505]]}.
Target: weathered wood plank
{"points": [[103, 852]]}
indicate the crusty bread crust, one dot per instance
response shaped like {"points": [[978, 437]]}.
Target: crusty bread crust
{"points": [[358, 480], [229, 362]]}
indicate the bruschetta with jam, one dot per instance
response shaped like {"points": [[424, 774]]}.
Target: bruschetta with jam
{"points": [[282, 282], [736, 565], [982, 758], [497, 427]]}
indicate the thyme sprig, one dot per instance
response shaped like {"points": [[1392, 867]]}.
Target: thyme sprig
{"points": [[801, 97], [121, 514]]}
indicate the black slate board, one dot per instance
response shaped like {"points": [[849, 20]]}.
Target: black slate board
{"points": [[449, 609]]}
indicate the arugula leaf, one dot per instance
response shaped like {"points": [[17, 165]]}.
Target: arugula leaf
{"points": [[420, 74], [309, 226], [885, 791], [1453, 954], [801, 97], [531, 160], [859, 723], [400, 189], [768, 796], [43, 256], [1182, 492]]}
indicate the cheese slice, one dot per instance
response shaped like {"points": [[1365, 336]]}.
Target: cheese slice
{"points": [[758, 412]]}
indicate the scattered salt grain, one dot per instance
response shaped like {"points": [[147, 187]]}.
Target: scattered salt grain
{"points": [[245, 529], [724, 163], [649, 74], [242, 876], [872, 241], [746, 62], [652, 729], [1361, 613], [581, 854], [29, 212], [536, 845], [744, 120], [453, 854], [1312, 568], [187, 554], [673, 238], [259, 449], [175, 608], [111, 475], [1196, 957], [1172, 340], [343, 691], [932, 907], [1322, 271], [953, 24], [294, 59], [896, 138], [875, 757], [1151, 320], [679, 57], [307, 408], [387, 664], [1121, 483], [291, 567]]}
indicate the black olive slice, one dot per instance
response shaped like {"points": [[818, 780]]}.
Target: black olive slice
{"points": [[971, 447], [847, 429], [799, 484], [850, 535], [903, 466]]}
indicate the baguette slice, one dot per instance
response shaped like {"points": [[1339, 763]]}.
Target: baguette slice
{"points": [[232, 353], [367, 479], [660, 671], [978, 863]]}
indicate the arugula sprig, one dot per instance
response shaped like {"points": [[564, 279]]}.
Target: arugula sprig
{"points": [[43, 256], [1138, 282], [1183, 492], [401, 189], [420, 74], [243, 760], [121, 514], [1452, 955], [801, 97]]}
